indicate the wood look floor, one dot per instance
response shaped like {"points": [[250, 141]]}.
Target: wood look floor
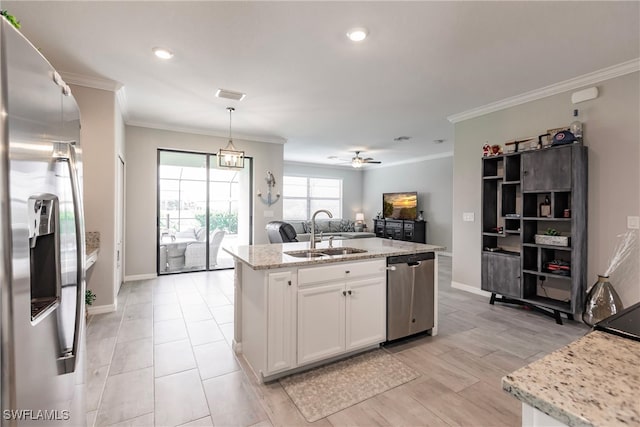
{"points": [[164, 358]]}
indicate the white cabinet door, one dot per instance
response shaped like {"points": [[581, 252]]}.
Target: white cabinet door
{"points": [[280, 318], [366, 322], [321, 317]]}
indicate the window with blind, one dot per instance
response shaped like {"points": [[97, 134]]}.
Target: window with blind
{"points": [[302, 196]]}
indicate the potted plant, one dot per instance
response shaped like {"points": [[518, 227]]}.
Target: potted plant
{"points": [[12, 19], [89, 298]]}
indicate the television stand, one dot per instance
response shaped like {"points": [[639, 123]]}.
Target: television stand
{"points": [[401, 229]]}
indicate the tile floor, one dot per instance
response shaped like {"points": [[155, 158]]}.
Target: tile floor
{"points": [[164, 359]]}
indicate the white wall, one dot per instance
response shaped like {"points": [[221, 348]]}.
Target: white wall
{"points": [[141, 187], [612, 134], [351, 183], [98, 112], [433, 181]]}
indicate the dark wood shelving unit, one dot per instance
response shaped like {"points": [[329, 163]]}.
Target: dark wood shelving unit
{"points": [[513, 187]]}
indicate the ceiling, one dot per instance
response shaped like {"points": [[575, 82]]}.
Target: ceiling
{"points": [[306, 83]]}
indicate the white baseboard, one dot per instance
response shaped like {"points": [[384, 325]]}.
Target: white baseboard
{"points": [[135, 277], [471, 289], [101, 309]]}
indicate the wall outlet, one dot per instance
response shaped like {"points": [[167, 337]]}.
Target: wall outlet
{"points": [[633, 222], [468, 216]]}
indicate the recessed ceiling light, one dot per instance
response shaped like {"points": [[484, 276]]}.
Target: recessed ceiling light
{"points": [[162, 53], [357, 34]]}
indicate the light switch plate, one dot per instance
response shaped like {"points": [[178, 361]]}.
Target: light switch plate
{"points": [[633, 222], [468, 216]]}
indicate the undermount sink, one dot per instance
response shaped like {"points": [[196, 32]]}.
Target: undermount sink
{"points": [[320, 252]]}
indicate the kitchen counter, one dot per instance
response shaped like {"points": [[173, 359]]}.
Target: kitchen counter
{"points": [[292, 313], [263, 257], [593, 381], [92, 247]]}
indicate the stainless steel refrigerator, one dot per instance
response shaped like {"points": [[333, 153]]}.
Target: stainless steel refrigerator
{"points": [[42, 241]]}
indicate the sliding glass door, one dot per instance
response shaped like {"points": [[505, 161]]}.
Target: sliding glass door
{"points": [[201, 209]]}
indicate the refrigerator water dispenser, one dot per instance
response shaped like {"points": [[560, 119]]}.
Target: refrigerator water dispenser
{"points": [[44, 245]]}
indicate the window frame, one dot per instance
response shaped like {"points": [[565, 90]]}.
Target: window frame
{"points": [[308, 197]]}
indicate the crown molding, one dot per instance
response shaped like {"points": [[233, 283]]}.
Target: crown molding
{"points": [[244, 137], [91, 82], [343, 167], [618, 70], [348, 166], [417, 159]]}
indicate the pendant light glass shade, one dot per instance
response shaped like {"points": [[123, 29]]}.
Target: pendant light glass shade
{"points": [[229, 157]]}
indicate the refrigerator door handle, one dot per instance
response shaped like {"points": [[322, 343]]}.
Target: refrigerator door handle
{"points": [[68, 359]]}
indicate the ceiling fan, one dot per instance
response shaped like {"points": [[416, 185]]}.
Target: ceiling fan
{"points": [[358, 162]]}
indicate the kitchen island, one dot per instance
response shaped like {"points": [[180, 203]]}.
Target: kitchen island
{"points": [[593, 381], [294, 310]]}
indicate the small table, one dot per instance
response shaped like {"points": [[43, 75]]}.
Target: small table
{"points": [[173, 249]]}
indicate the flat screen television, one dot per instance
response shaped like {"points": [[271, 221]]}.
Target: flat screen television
{"points": [[400, 205]]}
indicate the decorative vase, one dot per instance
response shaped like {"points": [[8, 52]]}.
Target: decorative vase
{"points": [[602, 301], [420, 217]]}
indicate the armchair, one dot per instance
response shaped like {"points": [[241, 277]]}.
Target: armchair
{"points": [[280, 232], [195, 253]]}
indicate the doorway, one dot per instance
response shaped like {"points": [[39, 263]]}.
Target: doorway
{"points": [[201, 210], [120, 209]]}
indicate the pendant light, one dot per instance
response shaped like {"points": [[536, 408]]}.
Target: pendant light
{"points": [[230, 157]]}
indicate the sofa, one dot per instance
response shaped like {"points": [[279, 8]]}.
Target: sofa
{"points": [[339, 228]]}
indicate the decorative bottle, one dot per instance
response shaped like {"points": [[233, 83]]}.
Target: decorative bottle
{"points": [[576, 127], [545, 207]]}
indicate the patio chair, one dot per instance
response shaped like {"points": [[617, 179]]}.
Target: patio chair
{"points": [[195, 253]]}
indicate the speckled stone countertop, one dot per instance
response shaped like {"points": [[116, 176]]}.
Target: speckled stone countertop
{"points": [[263, 257], [594, 381], [92, 247]]}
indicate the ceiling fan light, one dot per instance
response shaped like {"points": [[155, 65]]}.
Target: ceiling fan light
{"points": [[356, 162]]}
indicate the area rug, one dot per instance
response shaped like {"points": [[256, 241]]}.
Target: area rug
{"points": [[328, 389]]}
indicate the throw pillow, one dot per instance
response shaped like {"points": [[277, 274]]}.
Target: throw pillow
{"points": [[347, 225]]}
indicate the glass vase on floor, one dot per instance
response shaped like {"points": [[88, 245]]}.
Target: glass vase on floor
{"points": [[602, 301]]}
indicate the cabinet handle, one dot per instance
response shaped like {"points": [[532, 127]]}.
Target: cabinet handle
{"points": [[349, 292], [289, 282], [347, 272], [344, 293], [525, 172]]}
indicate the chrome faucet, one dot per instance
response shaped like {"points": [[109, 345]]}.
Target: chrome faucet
{"points": [[313, 226]]}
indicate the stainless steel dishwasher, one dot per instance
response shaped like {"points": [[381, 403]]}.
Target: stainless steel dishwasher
{"points": [[410, 294]]}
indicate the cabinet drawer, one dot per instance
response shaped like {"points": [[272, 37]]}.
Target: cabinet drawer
{"points": [[340, 271]]}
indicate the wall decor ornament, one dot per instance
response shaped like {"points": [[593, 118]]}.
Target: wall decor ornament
{"points": [[271, 183]]}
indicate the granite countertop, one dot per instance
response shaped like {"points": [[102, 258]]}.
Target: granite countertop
{"points": [[594, 381], [92, 247], [263, 257]]}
